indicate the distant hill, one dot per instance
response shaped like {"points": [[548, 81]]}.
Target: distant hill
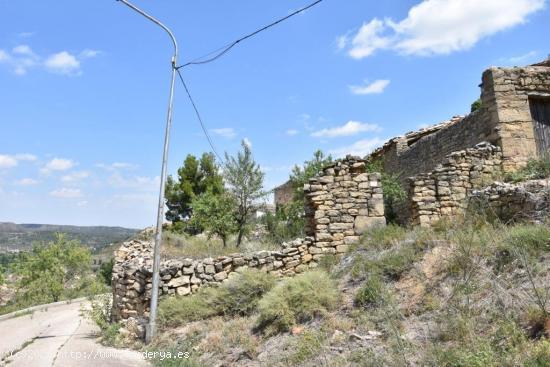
{"points": [[22, 236]]}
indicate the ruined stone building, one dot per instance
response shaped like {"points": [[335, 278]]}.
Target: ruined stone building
{"points": [[283, 194], [439, 165]]}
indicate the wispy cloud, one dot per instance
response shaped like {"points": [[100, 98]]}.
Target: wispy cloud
{"points": [[22, 58], [521, 59], [439, 27], [360, 148], [348, 129], [66, 193], [9, 161], [75, 176], [376, 87], [291, 132], [117, 166], [26, 182], [58, 164], [247, 142], [225, 132]]}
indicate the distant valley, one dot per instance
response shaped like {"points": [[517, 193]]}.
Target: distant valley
{"points": [[20, 237]]}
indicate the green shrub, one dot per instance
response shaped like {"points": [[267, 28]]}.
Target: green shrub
{"points": [[540, 355], [106, 271], [384, 237], [476, 105], [100, 314], [371, 293], [308, 345], [535, 169], [296, 300], [238, 296], [476, 355]]}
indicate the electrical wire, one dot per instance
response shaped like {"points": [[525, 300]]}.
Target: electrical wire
{"points": [[225, 49], [199, 117]]}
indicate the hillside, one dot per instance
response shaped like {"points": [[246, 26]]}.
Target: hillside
{"points": [[22, 236], [460, 294]]}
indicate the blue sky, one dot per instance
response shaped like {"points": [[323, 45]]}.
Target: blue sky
{"points": [[84, 84]]}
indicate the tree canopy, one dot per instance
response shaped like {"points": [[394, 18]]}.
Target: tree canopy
{"points": [[244, 180], [195, 177]]}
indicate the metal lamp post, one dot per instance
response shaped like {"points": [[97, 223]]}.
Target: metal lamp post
{"points": [[150, 329]]}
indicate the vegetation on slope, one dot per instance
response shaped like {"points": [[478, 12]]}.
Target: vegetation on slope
{"points": [[468, 293]]}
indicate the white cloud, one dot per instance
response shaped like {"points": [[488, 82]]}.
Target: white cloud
{"points": [[292, 132], [139, 183], [376, 87], [26, 157], [58, 164], [348, 129], [368, 39], [117, 165], [247, 142], [88, 54], [7, 161], [226, 132], [521, 59], [441, 26], [26, 182], [4, 56], [63, 63], [66, 193], [22, 58], [360, 148], [82, 203], [75, 176]]}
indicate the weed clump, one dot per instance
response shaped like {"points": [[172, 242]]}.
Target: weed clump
{"points": [[296, 300], [238, 296]]}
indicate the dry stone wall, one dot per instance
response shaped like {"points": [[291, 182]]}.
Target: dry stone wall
{"points": [[444, 192], [525, 201], [341, 205]]}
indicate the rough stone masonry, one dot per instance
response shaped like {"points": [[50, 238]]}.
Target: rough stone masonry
{"points": [[340, 205]]}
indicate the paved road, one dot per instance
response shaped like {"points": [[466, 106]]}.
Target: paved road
{"points": [[58, 337]]}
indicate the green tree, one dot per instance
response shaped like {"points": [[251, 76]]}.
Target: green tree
{"points": [[301, 175], [194, 178], [48, 269], [244, 179], [215, 213], [2, 277], [106, 271]]}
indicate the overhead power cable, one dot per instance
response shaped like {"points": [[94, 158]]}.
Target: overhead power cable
{"points": [[225, 49], [204, 129]]}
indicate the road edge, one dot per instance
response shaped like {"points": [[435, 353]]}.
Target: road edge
{"points": [[40, 307]]}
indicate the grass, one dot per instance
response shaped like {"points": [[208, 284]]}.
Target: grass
{"points": [[535, 169], [466, 293], [198, 247], [296, 300], [239, 296]]}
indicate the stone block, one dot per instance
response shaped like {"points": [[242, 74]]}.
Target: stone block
{"points": [[362, 223]]}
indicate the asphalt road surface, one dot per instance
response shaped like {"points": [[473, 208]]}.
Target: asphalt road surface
{"points": [[58, 336]]}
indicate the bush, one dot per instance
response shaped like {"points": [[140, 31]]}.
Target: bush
{"points": [[238, 296], [384, 237], [476, 105], [296, 300], [535, 169], [540, 355], [100, 314], [106, 271], [371, 293]]}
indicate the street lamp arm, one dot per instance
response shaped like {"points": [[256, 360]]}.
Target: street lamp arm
{"points": [[157, 22]]}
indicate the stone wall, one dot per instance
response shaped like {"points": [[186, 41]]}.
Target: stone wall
{"points": [[511, 89], [340, 205], [504, 120], [343, 203], [283, 194], [443, 193], [525, 201]]}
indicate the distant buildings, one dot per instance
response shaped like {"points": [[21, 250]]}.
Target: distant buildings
{"points": [[283, 194]]}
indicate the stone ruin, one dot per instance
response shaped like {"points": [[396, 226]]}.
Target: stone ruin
{"points": [[340, 205]]}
